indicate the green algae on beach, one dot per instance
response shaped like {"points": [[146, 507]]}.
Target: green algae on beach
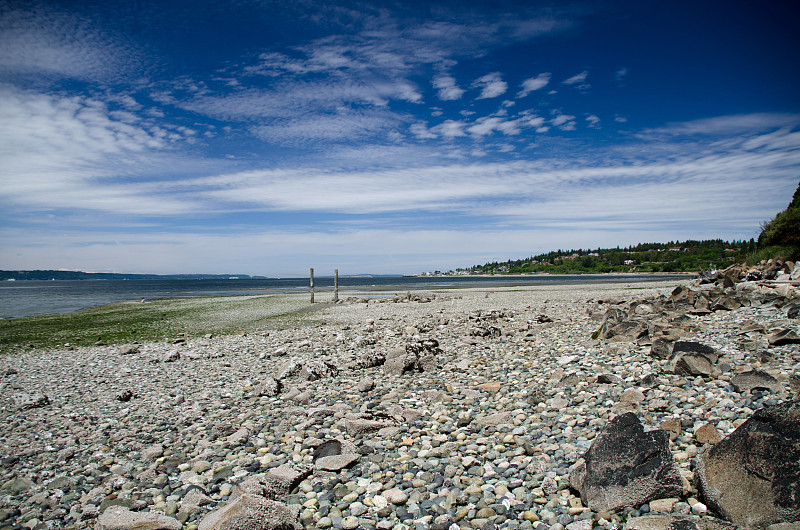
{"points": [[153, 320]]}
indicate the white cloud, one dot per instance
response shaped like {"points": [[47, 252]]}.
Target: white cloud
{"points": [[534, 83], [565, 122], [621, 74], [491, 85], [593, 120], [726, 125], [421, 131], [450, 129], [343, 126], [577, 79], [55, 44], [448, 90]]}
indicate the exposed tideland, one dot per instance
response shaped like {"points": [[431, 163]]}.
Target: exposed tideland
{"points": [[642, 405]]}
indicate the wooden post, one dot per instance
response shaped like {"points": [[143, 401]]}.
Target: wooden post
{"points": [[312, 285], [335, 285]]}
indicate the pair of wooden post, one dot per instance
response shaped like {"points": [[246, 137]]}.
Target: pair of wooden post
{"points": [[335, 285]]}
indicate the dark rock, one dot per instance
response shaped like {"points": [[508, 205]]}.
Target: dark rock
{"points": [[661, 349], [417, 356], [609, 379], [755, 380], [693, 364], [783, 337], [626, 466], [752, 477], [125, 396], [695, 347]]}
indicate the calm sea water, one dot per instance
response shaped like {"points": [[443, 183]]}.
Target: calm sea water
{"points": [[31, 298]]}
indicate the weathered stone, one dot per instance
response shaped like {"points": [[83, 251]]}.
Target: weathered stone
{"points": [[120, 518], [694, 347], [693, 364], [707, 434], [24, 401], [334, 455], [16, 485], [783, 337], [494, 420], [661, 349], [755, 380], [251, 512], [752, 477], [676, 522], [274, 484], [626, 466], [269, 387], [366, 384]]}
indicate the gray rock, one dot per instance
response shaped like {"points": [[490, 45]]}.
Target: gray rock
{"points": [[315, 369], [661, 349], [783, 337], [694, 347], [25, 401], [755, 380], [269, 387], [334, 455], [120, 518], [752, 477], [626, 466], [251, 512], [676, 522], [274, 484], [693, 364], [366, 384]]}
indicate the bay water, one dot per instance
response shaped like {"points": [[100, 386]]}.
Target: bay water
{"points": [[33, 298]]}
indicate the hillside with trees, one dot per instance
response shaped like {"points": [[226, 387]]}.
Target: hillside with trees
{"points": [[674, 256]]}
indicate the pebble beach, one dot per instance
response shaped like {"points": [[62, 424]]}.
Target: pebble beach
{"points": [[485, 438]]}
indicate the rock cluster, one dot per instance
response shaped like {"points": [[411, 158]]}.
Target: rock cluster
{"points": [[384, 413]]}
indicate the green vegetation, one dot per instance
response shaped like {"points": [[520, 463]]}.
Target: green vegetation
{"points": [[675, 256], [780, 237], [128, 322]]}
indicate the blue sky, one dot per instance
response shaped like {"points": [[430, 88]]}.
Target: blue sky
{"points": [[263, 137]]}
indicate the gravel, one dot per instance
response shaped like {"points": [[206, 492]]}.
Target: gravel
{"points": [[485, 440]]}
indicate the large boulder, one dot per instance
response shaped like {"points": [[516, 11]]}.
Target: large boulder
{"points": [[755, 380], [693, 358], [252, 512], [752, 477], [273, 484], [335, 455], [120, 518], [626, 466]]}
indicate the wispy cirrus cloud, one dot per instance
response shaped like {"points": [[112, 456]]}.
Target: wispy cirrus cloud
{"points": [[726, 125], [578, 80], [534, 83]]}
